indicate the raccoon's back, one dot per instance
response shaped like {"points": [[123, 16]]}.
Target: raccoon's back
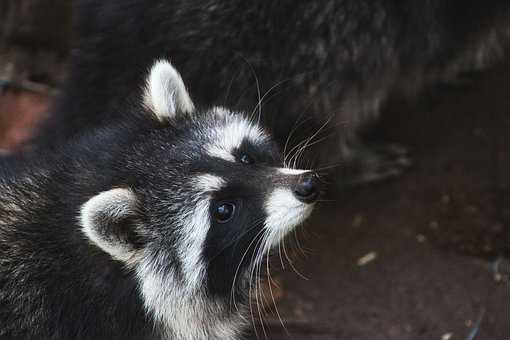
{"points": [[306, 54]]}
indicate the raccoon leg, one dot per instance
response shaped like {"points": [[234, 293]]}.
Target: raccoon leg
{"points": [[365, 163]]}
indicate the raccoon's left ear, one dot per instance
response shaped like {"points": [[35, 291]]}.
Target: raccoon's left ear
{"points": [[165, 93], [111, 220]]}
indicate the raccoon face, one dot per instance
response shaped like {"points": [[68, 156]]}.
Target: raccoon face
{"points": [[211, 198]]}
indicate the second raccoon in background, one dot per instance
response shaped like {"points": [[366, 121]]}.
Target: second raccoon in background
{"points": [[297, 64]]}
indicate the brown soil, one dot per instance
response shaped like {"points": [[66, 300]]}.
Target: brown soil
{"points": [[421, 257]]}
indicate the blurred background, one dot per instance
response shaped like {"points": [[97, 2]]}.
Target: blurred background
{"points": [[34, 44], [425, 256]]}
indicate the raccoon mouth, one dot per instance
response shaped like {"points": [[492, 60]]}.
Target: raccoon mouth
{"points": [[284, 213]]}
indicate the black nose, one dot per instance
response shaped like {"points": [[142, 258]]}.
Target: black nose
{"points": [[307, 189]]}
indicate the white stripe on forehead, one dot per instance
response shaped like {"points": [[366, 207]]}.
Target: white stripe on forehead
{"points": [[289, 171], [208, 183], [231, 135]]}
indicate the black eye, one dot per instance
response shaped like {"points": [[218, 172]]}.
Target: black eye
{"points": [[246, 159], [224, 212]]}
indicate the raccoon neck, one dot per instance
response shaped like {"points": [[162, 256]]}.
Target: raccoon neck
{"points": [[70, 289]]}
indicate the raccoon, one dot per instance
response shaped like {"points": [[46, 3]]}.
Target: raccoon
{"points": [[147, 228], [307, 64]]}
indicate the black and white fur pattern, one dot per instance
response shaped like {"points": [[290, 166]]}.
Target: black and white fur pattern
{"points": [[307, 63], [117, 235]]}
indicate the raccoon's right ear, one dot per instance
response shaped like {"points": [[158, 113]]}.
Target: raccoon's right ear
{"points": [[165, 93], [111, 220]]}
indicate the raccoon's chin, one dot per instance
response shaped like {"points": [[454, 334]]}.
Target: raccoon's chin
{"points": [[284, 213]]}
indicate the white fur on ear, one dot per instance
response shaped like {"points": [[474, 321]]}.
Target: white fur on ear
{"points": [[102, 219], [165, 93]]}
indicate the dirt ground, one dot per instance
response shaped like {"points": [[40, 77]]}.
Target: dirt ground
{"points": [[420, 257]]}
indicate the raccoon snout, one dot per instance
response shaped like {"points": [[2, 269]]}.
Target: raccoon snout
{"points": [[307, 188]]}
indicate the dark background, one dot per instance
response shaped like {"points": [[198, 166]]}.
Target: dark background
{"points": [[437, 238], [34, 45]]}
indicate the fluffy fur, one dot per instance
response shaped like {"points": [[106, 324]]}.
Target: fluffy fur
{"points": [[122, 234], [301, 63]]}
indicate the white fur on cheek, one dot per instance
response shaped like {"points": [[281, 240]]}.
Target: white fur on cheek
{"points": [[184, 315], [284, 212], [182, 306], [195, 226], [165, 93]]}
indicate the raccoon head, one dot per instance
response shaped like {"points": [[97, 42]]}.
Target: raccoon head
{"points": [[209, 196]]}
